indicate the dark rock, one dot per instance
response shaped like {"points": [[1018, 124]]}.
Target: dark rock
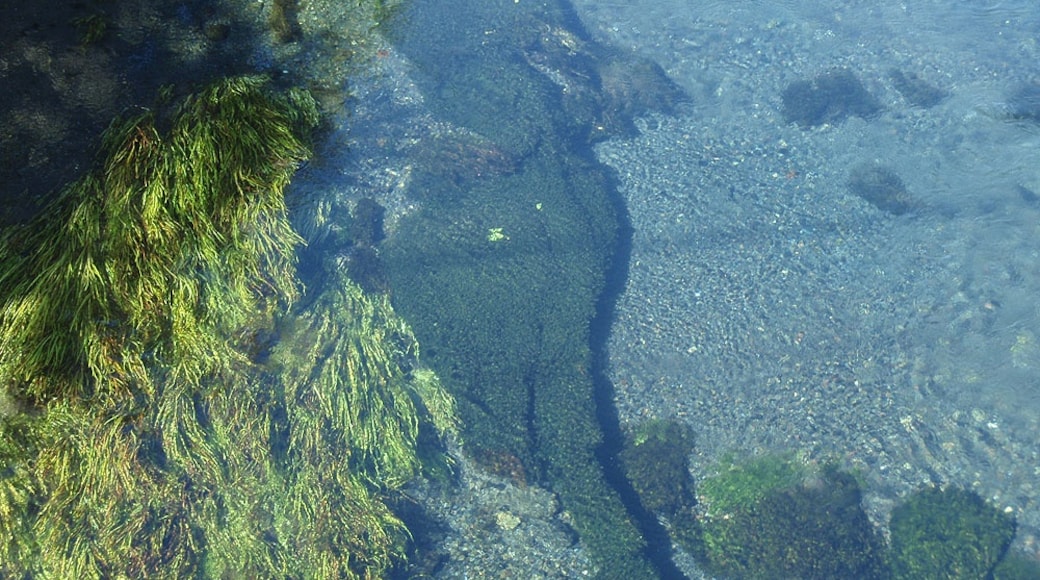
{"points": [[1024, 104], [604, 89], [368, 222], [1027, 195], [829, 98], [282, 21], [632, 87], [366, 269], [918, 92], [217, 31], [881, 187]]}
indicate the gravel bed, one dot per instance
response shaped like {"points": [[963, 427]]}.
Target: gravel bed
{"points": [[491, 527], [771, 308]]}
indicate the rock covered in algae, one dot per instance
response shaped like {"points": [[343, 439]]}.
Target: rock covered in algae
{"points": [[772, 518], [948, 533]]}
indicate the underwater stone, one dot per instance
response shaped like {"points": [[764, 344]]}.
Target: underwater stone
{"points": [[829, 98], [915, 90], [367, 227], [779, 528], [881, 187], [948, 533], [1024, 104]]}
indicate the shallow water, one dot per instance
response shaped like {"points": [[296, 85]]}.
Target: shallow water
{"points": [[772, 308], [769, 305]]}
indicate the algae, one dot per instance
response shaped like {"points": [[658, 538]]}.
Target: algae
{"points": [[948, 533], [150, 429], [501, 273], [772, 518]]}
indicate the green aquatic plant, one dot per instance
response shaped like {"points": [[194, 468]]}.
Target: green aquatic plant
{"points": [[352, 423], [92, 28], [739, 484], [18, 488], [174, 244], [344, 360], [143, 431], [948, 533], [771, 518]]}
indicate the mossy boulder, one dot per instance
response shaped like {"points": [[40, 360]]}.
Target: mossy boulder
{"points": [[772, 518], [948, 533]]}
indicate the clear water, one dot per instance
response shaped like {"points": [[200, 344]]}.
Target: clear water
{"points": [[769, 306], [772, 308]]}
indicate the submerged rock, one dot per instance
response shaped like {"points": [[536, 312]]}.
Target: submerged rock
{"points": [[1024, 103], [881, 187], [829, 98], [603, 86], [917, 91]]}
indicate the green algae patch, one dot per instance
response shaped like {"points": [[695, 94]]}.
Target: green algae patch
{"points": [[500, 273], [740, 484], [774, 518], [151, 425], [948, 533]]}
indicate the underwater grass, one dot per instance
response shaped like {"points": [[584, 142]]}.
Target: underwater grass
{"points": [[172, 245], [139, 435]]}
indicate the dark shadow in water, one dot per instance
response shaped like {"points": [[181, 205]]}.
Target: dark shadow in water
{"points": [[659, 543], [71, 67]]}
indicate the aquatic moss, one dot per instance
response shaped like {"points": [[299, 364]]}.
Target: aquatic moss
{"points": [[506, 322], [740, 484], [505, 325], [142, 435], [761, 522], [948, 533]]}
